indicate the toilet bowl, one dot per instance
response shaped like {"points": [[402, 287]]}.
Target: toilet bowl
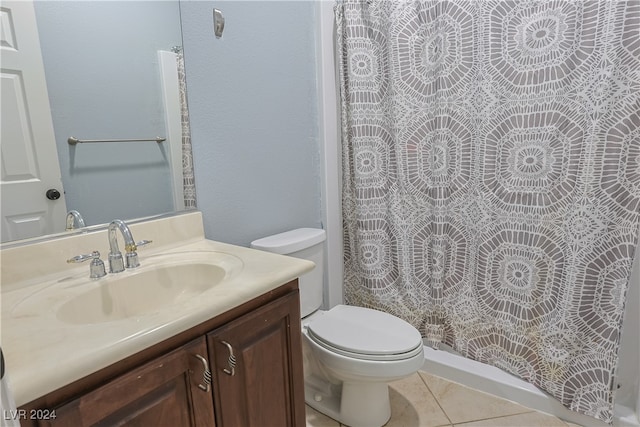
{"points": [[348, 368], [350, 353]]}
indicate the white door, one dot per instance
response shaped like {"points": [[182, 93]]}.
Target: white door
{"points": [[30, 165]]}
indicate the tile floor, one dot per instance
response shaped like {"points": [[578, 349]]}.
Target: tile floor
{"points": [[424, 400]]}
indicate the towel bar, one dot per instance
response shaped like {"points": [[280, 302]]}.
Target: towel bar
{"points": [[73, 140]]}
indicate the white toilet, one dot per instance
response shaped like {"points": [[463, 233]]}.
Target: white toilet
{"points": [[350, 353]]}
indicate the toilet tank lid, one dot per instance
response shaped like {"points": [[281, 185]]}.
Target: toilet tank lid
{"points": [[290, 241]]}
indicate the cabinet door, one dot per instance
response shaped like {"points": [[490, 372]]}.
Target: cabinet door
{"points": [[264, 385], [164, 392]]}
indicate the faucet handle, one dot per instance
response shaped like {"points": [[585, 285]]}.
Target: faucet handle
{"points": [[96, 268], [142, 243], [131, 256], [82, 258]]}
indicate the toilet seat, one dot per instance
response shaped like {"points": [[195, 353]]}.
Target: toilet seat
{"points": [[363, 333]]}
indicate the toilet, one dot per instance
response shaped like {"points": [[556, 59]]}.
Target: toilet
{"points": [[350, 353]]}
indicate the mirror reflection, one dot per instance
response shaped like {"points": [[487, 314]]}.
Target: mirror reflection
{"points": [[98, 70]]}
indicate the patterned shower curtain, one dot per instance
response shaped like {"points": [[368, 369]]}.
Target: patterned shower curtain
{"points": [[188, 177], [491, 178]]}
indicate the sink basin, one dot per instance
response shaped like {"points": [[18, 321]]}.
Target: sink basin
{"points": [[141, 293], [161, 283]]}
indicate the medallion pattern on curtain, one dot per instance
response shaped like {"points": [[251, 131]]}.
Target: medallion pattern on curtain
{"points": [[491, 178]]}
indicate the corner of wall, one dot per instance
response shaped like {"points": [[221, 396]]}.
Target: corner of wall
{"points": [[330, 153]]}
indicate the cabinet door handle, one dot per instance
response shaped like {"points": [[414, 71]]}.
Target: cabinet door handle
{"points": [[231, 361], [206, 376]]}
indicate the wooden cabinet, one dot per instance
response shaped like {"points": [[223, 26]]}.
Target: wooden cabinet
{"points": [[255, 357], [163, 392], [258, 374]]}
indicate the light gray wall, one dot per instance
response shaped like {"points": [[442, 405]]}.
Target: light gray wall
{"points": [[101, 65], [254, 119]]}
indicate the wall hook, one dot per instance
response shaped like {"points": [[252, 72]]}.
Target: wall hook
{"points": [[218, 23]]}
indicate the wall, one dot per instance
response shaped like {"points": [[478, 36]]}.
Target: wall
{"points": [[101, 65], [254, 116]]}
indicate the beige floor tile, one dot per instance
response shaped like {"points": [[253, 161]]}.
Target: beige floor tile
{"points": [[412, 404], [316, 419], [572, 424], [530, 419], [462, 404]]}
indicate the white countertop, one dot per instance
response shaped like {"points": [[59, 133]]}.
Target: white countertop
{"points": [[43, 353]]}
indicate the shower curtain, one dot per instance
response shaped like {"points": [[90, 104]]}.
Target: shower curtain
{"points": [[188, 178], [491, 178]]}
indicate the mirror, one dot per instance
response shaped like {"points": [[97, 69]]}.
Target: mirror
{"points": [[108, 76]]}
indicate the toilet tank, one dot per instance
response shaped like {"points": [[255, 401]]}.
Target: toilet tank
{"points": [[305, 243]]}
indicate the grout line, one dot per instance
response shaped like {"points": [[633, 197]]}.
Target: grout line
{"points": [[504, 416], [424, 381]]}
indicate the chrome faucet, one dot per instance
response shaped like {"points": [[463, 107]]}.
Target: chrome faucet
{"points": [[116, 264], [74, 220]]}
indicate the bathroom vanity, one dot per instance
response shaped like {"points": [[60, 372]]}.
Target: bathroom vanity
{"points": [[151, 367], [170, 389]]}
